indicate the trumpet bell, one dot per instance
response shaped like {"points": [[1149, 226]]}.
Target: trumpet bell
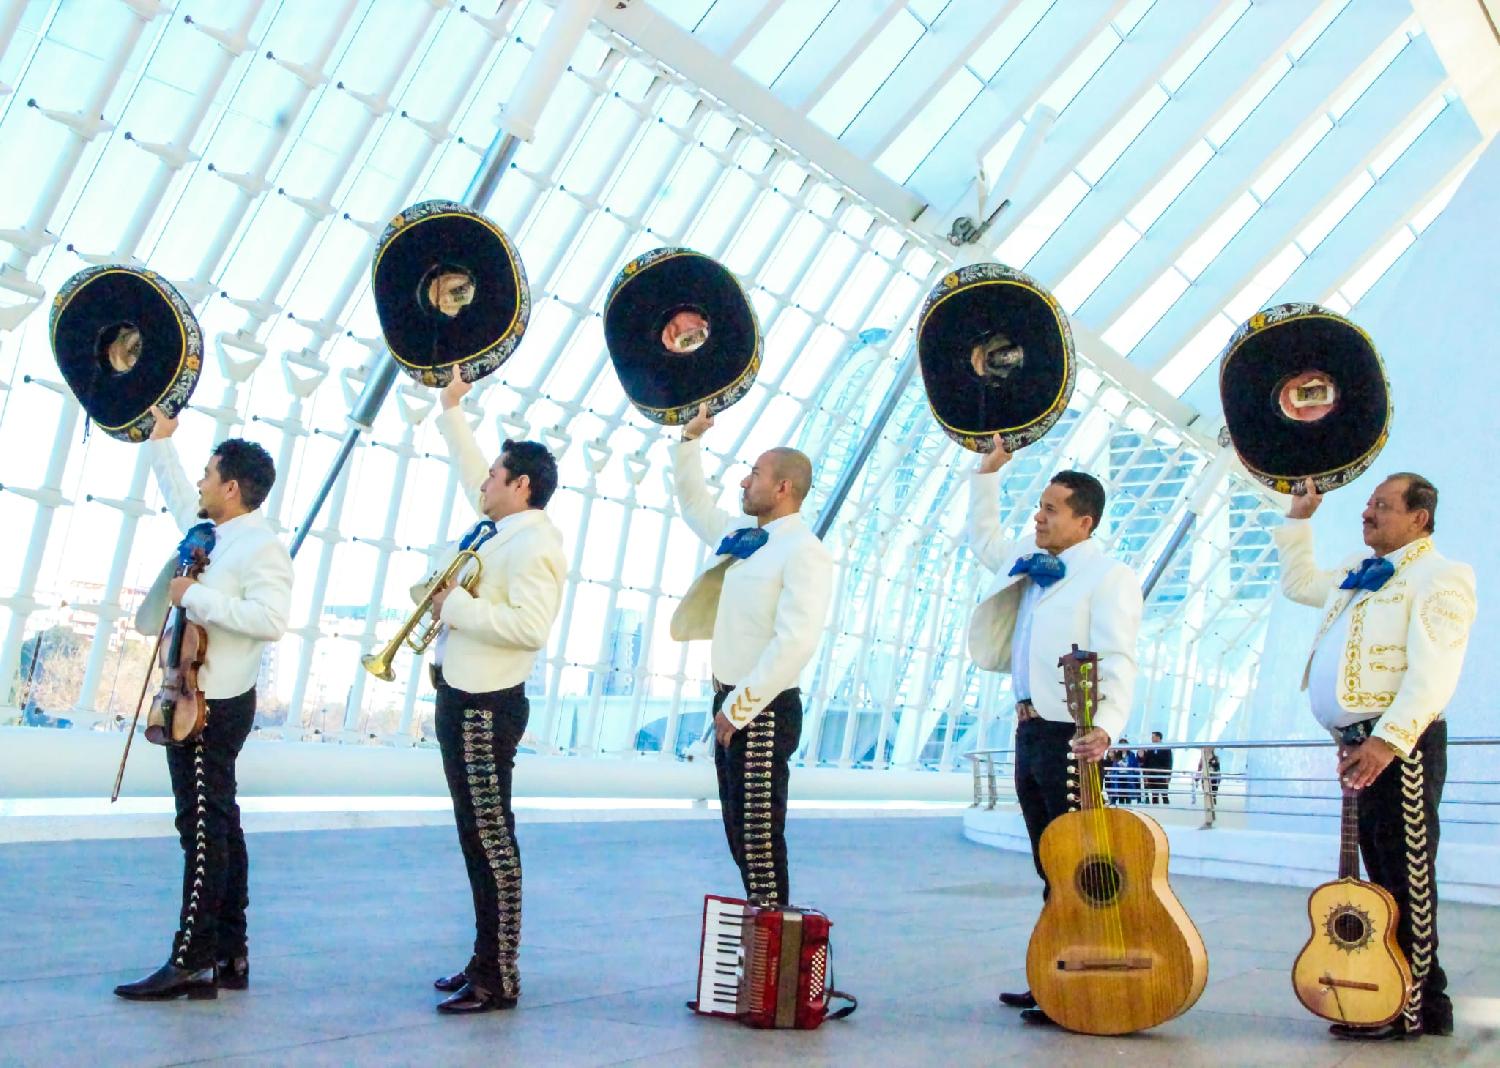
{"points": [[379, 665]]}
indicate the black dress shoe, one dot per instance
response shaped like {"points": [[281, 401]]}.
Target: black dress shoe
{"points": [[233, 973], [1384, 1033], [471, 998], [170, 981], [1037, 1018], [1023, 1000], [450, 983]]}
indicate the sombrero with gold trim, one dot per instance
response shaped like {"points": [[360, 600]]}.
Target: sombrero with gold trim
{"points": [[125, 340], [1305, 396], [450, 291], [996, 356], [680, 332]]}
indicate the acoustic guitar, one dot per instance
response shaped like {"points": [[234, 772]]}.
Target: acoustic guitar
{"points": [[1113, 950], [1352, 971]]}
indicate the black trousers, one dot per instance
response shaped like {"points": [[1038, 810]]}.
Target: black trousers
{"points": [[1045, 773], [216, 868], [1398, 838], [754, 773], [478, 734]]}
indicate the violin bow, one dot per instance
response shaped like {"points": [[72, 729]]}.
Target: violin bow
{"points": [[136, 719]]}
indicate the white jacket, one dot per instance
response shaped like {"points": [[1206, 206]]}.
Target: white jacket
{"points": [[1406, 641], [494, 637], [243, 597], [765, 613], [1096, 605]]}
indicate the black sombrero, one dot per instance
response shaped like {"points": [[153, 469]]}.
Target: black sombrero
{"points": [[683, 296], [1305, 396], [438, 257], [996, 356], [124, 340]]}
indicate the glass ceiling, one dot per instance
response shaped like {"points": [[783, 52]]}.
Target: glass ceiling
{"points": [[1166, 167]]}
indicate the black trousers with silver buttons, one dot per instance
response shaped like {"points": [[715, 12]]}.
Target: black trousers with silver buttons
{"points": [[754, 773]]}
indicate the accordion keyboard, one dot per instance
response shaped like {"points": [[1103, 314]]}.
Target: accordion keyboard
{"points": [[720, 962]]}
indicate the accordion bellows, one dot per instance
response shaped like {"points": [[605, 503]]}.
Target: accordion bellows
{"points": [[141, 314], [1259, 374], [666, 386]]}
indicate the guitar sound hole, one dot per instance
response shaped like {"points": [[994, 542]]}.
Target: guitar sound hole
{"points": [[1348, 927], [1098, 880]]}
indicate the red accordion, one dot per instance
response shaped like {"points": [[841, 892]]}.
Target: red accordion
{"points": [[766, 966]]}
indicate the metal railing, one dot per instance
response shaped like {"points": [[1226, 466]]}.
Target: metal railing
{"points": [[1208, 790]]}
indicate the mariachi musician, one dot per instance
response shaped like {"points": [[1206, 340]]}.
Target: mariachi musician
{"points": [[453, 302], [128, 344], [685, 343], [1307, 406], [998, 366]]}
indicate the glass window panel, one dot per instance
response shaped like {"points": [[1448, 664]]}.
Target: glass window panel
{"points": [[1216, 235], [1075, 288], [913, 143], [836, 108], [1118, 137], [1046, 217], [989, 57], [1156, 201], [1336, 209], [781, 37], [1202, 45], [1062, 91], [1140, 317]]}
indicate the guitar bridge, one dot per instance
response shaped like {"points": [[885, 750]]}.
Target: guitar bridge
{"points": [[1347, 984], [1108, 964]]}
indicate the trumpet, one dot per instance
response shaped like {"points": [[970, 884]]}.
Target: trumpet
{"points": [[379, 664]]}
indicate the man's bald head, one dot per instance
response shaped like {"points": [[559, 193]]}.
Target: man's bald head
{"points": [[777, 485], [795, 468]]}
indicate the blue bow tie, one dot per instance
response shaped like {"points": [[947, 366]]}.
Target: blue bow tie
{"points": [[1371, 574], [478, 534], [1044, 568], [742, 543]]}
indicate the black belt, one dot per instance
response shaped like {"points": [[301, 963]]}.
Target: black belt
{"points": [[435, 672], [721, 688], [1025, 710]]}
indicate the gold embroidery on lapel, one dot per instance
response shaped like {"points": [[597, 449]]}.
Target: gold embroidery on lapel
{"points": [[1354, 696]]}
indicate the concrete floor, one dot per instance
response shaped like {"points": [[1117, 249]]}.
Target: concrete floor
{"points": [[349, 928]]}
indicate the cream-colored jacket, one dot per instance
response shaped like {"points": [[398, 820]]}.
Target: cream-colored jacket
{"points": [[765, 613], [1096, 605], [243, 597], [495, 635], [1406, 641]]}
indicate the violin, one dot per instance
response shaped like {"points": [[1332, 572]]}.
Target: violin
{"points": [[179, 711]]}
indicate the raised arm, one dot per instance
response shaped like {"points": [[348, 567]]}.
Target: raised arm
{"points": [[180, 494], [463, 452], [1301, 578], [694, 501]]}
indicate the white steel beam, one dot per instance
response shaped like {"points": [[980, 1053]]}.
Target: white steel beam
{"points": [[847, 31]]}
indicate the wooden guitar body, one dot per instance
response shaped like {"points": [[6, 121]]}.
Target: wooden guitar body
{"points": [[1352, 971], [1113, 950]]}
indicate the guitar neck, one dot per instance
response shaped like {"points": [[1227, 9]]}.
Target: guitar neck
{"points": [[1349, 836], [1080, 683]]}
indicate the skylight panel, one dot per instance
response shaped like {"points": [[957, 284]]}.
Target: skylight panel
{"points": [[1134, 323], [781, 38], [1033, 231], [1369, 71], [1202, 45], [1160, 196], [1118, 137], [1284, 164], [1330, 10], [913, 143], [836, 109], [1369, 272], [1216, 235], [989, 57], [1247, 102], [1406, 135], [1342, 203], [1062, 91], [1074, 289]]}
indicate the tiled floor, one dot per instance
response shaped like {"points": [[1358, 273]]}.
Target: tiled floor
{"points": [[349, 928]]}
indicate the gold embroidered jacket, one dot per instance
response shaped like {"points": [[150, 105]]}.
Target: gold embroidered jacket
{"points": [[1406, 642]]}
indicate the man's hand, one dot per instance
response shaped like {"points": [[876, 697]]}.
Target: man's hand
{"points": [[1305, 500], [440, 598], [723, 729], [698, 424], [996, 458], [1360, 765], [455, 391], [164, 427], [178, 586], [1092, 746]]}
